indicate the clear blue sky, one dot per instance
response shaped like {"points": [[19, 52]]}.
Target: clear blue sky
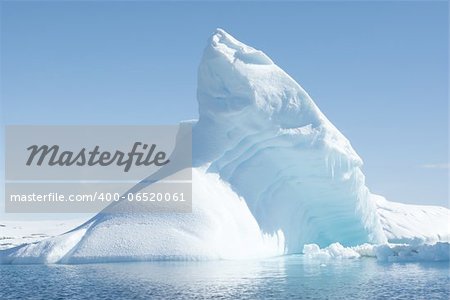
{"points": [[378, 70]]}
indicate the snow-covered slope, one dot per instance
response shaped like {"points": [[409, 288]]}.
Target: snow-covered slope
{"points": [[271, 175], [220, 226], [413, 224]]}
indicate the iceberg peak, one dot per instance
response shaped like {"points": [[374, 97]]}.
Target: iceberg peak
{"points": [[264, 135], [222, 43], [240, 87]]}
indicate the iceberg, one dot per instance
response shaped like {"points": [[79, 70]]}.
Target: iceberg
{"points": [[271, 176]]}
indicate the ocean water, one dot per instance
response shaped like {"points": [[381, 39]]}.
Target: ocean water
{"points": [[291, 277]]}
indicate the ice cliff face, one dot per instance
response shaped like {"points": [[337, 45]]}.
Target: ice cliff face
{"points": [[265, 136], [271, 174]]}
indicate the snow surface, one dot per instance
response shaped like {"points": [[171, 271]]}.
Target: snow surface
{"points": [[15, 233], [413, 224], [271, 176]]}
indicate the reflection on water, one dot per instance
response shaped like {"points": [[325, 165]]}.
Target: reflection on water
{"points": [[283, 277]]}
